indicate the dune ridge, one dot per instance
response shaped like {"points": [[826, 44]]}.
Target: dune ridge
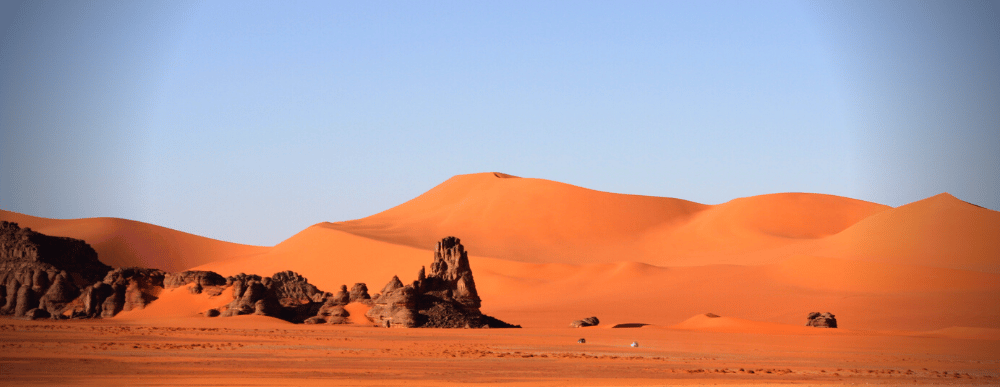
{"points": [[545, 253], [125, 243], [536, 220]]}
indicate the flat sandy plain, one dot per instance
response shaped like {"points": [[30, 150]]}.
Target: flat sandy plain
{"points": [[915, 288], [261, 351]]}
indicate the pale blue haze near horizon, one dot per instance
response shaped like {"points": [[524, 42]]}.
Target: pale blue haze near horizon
{"points": [[249, 121]]}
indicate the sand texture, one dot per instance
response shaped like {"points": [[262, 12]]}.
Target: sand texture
{"points": [[915, 290]]}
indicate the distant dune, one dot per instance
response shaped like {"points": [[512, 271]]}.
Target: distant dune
{"points": [[940, 231], [546, 253], [330, 258], [123, 243], [541, 221]]}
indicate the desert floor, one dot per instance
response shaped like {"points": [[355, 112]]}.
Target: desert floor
{"points": [[253, 350]]}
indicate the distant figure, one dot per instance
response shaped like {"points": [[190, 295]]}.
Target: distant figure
{"points": [[635, 344], [582, 341]]}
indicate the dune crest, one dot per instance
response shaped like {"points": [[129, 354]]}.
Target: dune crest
{"points": [[546, 253], [940, 231], [556, 222], [127, 243]]}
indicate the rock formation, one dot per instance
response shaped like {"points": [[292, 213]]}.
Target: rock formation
{"points": [[821, 320], [285, 295], [121, 290], [446, 298], [43, 276], [43, 272], [200, 281], [359, 293], [587, 322]]}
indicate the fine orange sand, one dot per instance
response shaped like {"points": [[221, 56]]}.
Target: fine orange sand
{"points": [[923, 278], [124, 243], [260, 351]]}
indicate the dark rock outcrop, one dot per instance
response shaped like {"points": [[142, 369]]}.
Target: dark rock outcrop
{"points": [[285, 295], [199, 281], [821, 320], [133, 288], [36, 314], [342, 297], [121, 290], [66, 254], [359, 293], [446, 298], [332, 312], [43, 272], [587, 322], [43, 276]]}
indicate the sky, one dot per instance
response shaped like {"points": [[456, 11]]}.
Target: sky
{"points": [[248, 121]]}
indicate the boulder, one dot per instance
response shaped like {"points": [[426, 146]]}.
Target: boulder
{"points": [[821, 320], [359, 293], [332, 313], [314, 320], [396, 307], [36, 314], [342, 297], [587, 322], [198, 280]]}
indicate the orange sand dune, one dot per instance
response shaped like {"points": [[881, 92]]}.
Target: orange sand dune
{"points": [[940, 231], [541, 221], [124, 243], [531, 220], [660, 268], [965, 333], [178, 302], [862, 295], [330, 258], [546, 253], [755, 230]]}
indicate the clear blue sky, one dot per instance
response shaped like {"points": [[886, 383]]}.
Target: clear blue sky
{"points": [[249, 121]]}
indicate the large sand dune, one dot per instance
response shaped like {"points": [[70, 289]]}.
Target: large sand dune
{"points": [[546, 253], [940, 231], [541, 221], [124, 243]]}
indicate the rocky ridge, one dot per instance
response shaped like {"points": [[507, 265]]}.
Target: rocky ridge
{"points": [[41, 274], [50, 277]]}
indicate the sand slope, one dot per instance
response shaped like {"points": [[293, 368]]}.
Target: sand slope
{"points": [[123, 243], [530, 220], [546, 253], [940, 231], [330, 258], [541, 221]]}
